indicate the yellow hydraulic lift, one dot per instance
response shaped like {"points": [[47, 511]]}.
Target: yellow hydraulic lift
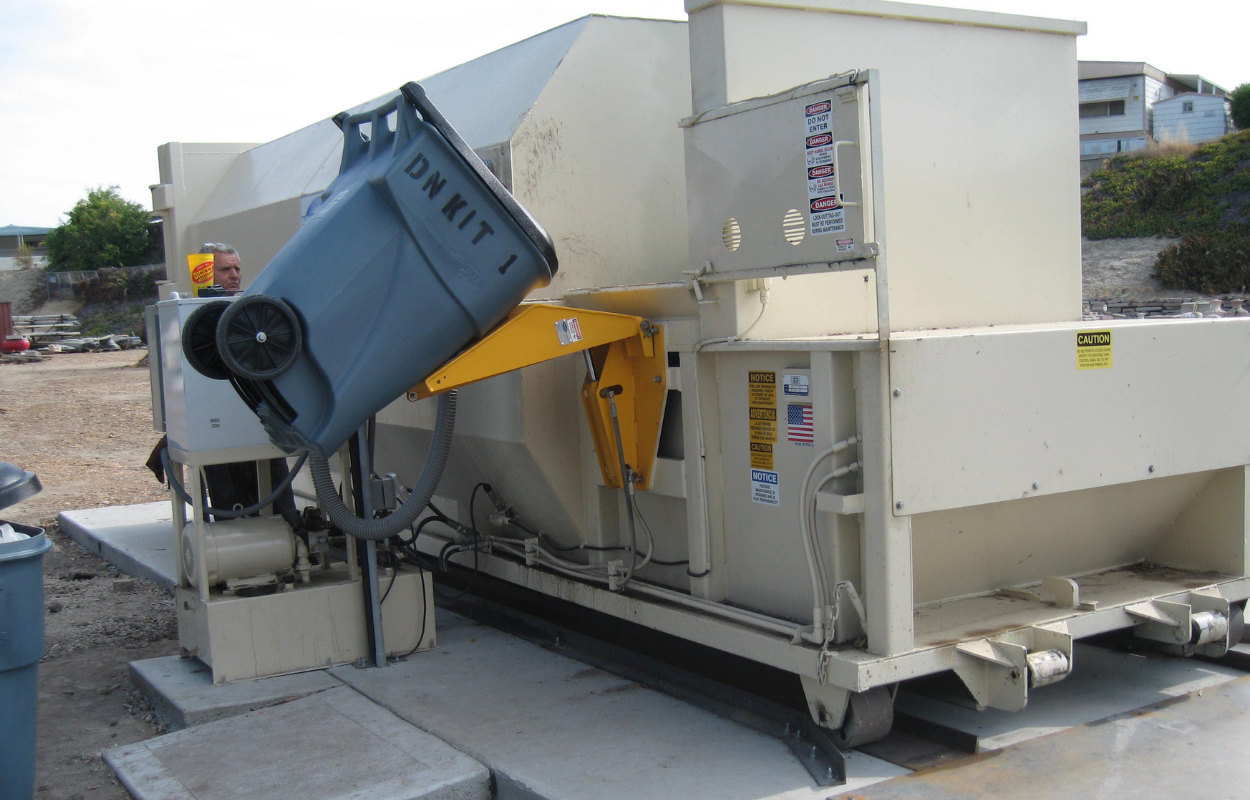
{"points": [[626, 367]]}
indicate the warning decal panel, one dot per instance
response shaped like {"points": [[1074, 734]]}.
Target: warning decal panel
{"points": [[1093, 349], [762, 418], [765, 486]]}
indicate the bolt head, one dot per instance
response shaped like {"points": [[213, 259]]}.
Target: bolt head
{"points": [[898, 392], [899, 504], [1036, 486], [261, 337], [1151, 468]]}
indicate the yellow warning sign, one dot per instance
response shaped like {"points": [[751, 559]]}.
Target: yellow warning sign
{"points": [[762, 389], [1093, 349], [761, 455], [763, 424]]}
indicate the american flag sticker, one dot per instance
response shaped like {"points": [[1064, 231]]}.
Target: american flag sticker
{"points": [[799, 425]]}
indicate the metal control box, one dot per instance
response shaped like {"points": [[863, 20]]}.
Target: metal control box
{"points": [[201, 414], [784, 182]]}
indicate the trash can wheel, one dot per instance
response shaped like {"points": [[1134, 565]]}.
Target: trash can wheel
{"points": [[199, 340], [259, 337]]}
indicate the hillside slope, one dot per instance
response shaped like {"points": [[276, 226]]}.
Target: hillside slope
{"points": [[1201, 195]]}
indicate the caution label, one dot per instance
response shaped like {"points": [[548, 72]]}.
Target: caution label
{"points": [[762, 455], [1093, 349], [762, 434], [763, 424]]}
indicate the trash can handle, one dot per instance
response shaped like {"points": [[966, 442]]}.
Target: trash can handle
{"points": [[381, 141]]}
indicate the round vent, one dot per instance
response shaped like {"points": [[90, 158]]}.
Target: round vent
{"points": [[731, 235], [793, 226]]}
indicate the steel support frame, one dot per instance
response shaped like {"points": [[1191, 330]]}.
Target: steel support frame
{"points": [[849, 668]]}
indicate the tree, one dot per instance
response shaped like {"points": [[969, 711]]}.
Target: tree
{"points": [[102, 230], [1241, 106]]}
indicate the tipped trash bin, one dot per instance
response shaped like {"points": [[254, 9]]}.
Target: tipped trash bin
{"points": [[21, 637], [414, 250]]}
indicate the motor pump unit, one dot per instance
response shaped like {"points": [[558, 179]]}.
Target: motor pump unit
{"points": [[241, 548]]}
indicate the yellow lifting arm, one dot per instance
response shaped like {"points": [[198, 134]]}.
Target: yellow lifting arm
{"points": [[626, 352]]}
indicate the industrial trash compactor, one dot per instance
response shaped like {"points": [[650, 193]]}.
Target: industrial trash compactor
{"points": [[857, 453]]}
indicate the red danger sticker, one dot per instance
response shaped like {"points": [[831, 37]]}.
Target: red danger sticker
{"points": [[825, 204], [820, 172], [817, 108], [819, 140]]}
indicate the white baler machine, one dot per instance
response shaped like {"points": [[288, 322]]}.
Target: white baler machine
{"points": [[860, 455]]}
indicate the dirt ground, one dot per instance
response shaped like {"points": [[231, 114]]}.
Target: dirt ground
{"points": [[24, 288], [1122, 269], [83, 424]]}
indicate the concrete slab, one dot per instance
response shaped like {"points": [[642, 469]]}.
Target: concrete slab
{"points": [[182, 692], [1103, 683], [1186, 747], [551, 727], [136, 539], [335, 744]]}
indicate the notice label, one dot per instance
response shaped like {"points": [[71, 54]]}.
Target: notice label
{"points": [[764, 487], [846, 245], [763, 423], [796, 385], [568, 330], [762, 389], [762, 455], [828, 216], [1093, 349]]}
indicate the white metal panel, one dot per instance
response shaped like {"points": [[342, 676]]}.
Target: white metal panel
{"points": [[598, 158], [988, 415], [200, 413], [965, 160], [759, 171]]}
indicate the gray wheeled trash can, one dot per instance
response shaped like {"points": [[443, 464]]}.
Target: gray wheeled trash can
{"points": [[21, 639], [414, 251]]}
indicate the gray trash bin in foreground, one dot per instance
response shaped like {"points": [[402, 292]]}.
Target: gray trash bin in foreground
{"points": [[21, 639]]}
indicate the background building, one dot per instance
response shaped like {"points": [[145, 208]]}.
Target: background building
{"points": [[1118, 104], [13, 237]]}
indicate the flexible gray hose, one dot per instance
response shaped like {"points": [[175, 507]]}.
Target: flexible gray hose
{"points": [[378, 529]]}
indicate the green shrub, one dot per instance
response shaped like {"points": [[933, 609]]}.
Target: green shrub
{"points": [[1166, 193], [101, 319], [1241, 106], [1210, 263]]}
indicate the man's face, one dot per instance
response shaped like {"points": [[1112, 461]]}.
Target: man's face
{"points": [[226, 271]]}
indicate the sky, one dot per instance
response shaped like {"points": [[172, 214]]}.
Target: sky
{"points": [[90, 88]]}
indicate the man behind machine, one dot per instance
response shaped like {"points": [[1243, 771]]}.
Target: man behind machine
{"points": [[226, 270], [232, 486]]}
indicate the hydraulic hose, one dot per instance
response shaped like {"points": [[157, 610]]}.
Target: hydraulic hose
{"points": [[378, 529], [229, 513]]}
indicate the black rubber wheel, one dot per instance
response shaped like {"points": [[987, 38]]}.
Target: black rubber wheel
{"points": [[259, 337], [199, 341], [869, 717]]}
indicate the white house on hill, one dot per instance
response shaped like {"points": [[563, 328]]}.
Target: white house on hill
{"points": [[1192, 117]]}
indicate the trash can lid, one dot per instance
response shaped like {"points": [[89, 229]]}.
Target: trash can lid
{"points": [[16, 484]]}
